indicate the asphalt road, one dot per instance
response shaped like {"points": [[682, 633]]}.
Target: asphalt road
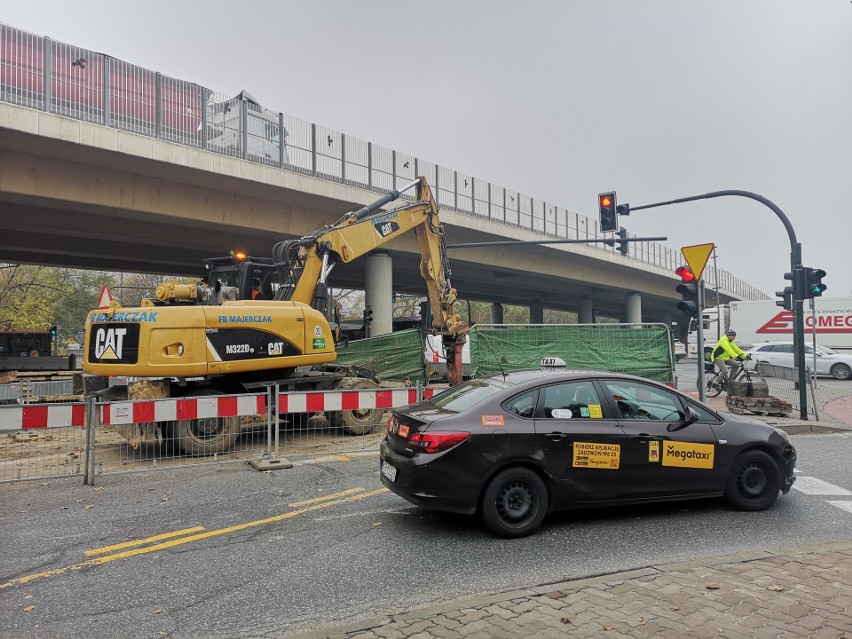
{"points": [[226, 551]]}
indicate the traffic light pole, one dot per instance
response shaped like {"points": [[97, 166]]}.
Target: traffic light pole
{"points": [[699, 338], [796, 269]]}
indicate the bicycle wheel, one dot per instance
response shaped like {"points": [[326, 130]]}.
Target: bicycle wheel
{"points": [[713, 389]]}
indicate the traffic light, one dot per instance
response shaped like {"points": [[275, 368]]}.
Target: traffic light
{"points": [[813, 282], [368, 316], [786, 298], [688, 289], [622, 243], [608, 211], [54, 329]]}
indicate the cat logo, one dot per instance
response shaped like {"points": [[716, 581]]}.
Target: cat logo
{"points": [[275, 348], [109, 343]]}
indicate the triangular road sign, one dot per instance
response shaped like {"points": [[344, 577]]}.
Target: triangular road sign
{"points": [[697, 256], [105, 298]]}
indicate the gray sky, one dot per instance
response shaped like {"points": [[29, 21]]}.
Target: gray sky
{"points": [[560, 100]]}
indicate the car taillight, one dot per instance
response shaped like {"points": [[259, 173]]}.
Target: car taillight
{"points": [[436, 442]]}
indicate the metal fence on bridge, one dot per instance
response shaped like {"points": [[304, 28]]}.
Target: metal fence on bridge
{"points": [[41, 73]]}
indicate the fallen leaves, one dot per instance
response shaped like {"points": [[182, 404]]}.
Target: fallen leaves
{"points": [[565, 619], [712, 586], [775, 588]]}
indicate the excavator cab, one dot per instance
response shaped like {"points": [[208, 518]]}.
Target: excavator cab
{"points": [[239, 277]]}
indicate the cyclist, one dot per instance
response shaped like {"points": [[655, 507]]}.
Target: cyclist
{"points": [[726, 354]]}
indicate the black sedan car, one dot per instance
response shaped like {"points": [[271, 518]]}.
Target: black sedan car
{"points": [[516, 446]]}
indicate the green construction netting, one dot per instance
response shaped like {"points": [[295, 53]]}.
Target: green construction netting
{"points": [[397, 356], [646, 351]]}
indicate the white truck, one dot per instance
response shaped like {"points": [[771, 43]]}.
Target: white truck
{"points": [[765, 321]]}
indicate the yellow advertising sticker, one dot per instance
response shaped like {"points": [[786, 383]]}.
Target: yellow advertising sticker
{"points": [[595, 411], [687, 455], [653, 451], [591, 455]]}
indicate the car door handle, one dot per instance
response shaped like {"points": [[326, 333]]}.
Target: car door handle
{"points": [[556, 436], [642, 437]]}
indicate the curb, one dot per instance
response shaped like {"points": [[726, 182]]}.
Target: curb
{"points": [[710, 561]]}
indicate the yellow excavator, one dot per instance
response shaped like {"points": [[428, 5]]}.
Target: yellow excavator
{"points": [[259, 322]]}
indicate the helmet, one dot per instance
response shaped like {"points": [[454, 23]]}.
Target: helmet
{"points": [[731, 332]]}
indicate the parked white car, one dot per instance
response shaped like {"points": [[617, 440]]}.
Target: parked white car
{"points": [[828, 362]]}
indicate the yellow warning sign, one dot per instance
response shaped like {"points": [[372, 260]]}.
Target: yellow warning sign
{"points": [[591, 455], [697, 256]]}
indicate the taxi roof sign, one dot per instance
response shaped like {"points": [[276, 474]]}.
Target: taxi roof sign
{"points": [[696, 256], [552, 362]]}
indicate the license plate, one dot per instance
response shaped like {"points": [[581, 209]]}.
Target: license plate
{"points": [[388, 471]]}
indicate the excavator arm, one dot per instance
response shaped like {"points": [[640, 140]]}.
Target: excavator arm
{"points": [[304, 264]]}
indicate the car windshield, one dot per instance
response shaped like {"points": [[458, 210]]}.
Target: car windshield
{"points": [[469, 393]]}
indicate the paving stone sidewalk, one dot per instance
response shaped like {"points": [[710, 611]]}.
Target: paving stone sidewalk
{"points": [[804, 591]]}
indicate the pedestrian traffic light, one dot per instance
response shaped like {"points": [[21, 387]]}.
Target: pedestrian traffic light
{"points": [[813, 282], [786, 298], [608, 211], [54, 329], [622, 242], [688, 289], [368, 316]]}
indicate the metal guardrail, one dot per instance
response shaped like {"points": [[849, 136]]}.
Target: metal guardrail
{"points": [[41, 73], [783, 383]]}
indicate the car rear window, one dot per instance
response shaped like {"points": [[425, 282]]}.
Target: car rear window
{"points": [[467, 394]]}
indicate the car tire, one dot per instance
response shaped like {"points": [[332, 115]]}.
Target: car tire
{"points": [[514, 503], [754, 481], [841, 371]]}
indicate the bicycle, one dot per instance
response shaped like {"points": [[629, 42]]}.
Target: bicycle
{"points": [[714, 387]]}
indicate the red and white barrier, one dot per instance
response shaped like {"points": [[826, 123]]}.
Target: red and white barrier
{"points": [[322, 401], [169, 410], [166, 410], [42, 416]]}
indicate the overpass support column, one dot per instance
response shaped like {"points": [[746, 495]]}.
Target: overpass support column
{"points": [[536, 313], [496, 313], [633, 308], [667, 318], [378, 289], [586, 314]]}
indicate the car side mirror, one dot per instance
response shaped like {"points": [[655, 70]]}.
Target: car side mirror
{"points": [[691, 417]]}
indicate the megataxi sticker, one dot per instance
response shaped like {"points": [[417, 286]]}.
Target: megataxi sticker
{"points": [[687, 455], [592, 455], [492, 420]]}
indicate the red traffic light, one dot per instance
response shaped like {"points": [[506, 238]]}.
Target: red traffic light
{"points": [[685, 273], [606, 200]]}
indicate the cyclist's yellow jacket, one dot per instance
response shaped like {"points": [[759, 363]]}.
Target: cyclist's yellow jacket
{"points": [[725, 349]]}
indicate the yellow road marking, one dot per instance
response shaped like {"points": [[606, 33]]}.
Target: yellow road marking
{"points": [[317, 500], [97, 561], [140, 542]]}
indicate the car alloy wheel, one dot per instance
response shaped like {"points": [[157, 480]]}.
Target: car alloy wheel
{"points": [[841, 371]]}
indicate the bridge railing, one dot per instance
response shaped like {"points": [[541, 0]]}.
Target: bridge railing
{"points": [[41, 73]]}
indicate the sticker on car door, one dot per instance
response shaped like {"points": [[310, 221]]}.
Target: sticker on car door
{"points": [[592, 455], [688, 455]]}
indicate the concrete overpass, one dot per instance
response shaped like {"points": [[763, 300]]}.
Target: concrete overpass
{"points": [[107, 165], [83, 195]]}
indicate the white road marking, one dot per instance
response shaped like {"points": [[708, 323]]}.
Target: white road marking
{"points": [[842, 505], [814, 486]]}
